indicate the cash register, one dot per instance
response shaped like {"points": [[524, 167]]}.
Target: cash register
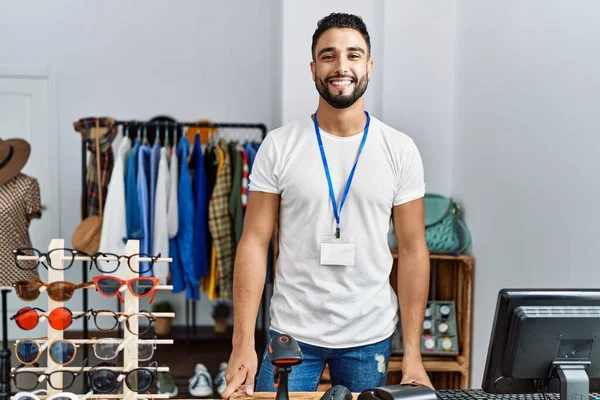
{"points": [[544, 345]]}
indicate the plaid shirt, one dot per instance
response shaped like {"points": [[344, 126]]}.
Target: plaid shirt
{"points": [[220, 224], [108, 131]]}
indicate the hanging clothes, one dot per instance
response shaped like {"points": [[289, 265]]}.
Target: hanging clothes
{"points": [[114, 226], [210, 284], [245, 176], [173, 219], [161, 235], [132, 202], [108, 132], [144, 204], [185, 234], [201, 255], [220, 225], [235, 200]]}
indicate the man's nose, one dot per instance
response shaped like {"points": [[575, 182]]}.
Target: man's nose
{"points": [[341, 66]]}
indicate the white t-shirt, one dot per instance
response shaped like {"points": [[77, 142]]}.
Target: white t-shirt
{"points": [[336, 306]]}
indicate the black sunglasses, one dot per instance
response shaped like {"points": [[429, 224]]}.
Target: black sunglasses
{"points": [[28, 380], [104, 380]]}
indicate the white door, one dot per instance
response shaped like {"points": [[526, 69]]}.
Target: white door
{"points": [[27, 111]]}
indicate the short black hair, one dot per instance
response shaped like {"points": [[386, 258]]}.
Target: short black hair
{"points": [[341, 20]]}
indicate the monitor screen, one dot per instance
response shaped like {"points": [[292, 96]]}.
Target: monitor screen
{"points": [[538, 334]]}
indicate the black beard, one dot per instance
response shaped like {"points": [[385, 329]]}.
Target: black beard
{"points": [[340, 100]]}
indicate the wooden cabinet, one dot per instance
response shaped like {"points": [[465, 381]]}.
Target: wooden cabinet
{"points": [[451, 280]]}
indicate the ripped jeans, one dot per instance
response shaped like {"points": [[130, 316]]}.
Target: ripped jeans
{"points": [[357, 368]]}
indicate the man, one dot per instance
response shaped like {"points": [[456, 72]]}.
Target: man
{"points": [[335, 178]]}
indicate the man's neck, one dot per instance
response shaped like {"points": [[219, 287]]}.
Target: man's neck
{"points": [[342, 122]]}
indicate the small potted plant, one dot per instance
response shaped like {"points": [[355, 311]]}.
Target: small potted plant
{"points": [[162, 325], [220, 314]]}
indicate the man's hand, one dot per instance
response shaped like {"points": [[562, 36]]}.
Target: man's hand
{"points": [[241, 371], [414, 372]]}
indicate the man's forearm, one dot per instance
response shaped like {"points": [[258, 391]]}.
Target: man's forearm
{"points": [[248, 283], [413, 288]]}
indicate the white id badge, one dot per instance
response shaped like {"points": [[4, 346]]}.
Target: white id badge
{"points": [[336, 251]]}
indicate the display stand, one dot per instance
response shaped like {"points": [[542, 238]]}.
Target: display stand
{"points": [[131, 306]]}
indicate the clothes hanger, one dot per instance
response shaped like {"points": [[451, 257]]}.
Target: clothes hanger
{"points": [[145, 133], [157, 135], [167, 144]]}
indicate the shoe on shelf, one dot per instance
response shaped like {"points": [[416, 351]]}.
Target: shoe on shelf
{"points": [[201, 382], [166, 384], [220, 382]]}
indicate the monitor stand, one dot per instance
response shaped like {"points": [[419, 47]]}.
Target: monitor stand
{"points": [[574, 380]]}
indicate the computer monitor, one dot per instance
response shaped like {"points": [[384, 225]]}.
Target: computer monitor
{"points": [[545, 340]]}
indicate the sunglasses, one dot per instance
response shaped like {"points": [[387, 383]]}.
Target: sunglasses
{"points": [[110, 286], [109, 320], [28, 351], [58, 380], [109, 348], [60, 318], [103, 380], [58, 291]]}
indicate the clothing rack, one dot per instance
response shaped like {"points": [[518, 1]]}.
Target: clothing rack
{"points": [[172, 130]]}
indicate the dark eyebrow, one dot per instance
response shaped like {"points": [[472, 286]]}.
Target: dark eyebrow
{"points": [[360, 50], [328, 49]]}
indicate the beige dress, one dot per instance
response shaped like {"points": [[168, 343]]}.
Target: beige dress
{"points": [[19, 203]]}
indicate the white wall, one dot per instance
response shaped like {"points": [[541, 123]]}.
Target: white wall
{"points": [[136, 59], [300, 17], [418, 84], [526, 147]]}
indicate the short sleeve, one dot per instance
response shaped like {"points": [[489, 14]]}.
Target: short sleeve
{"points": [[34, 202], [264, 175], [411, 180]]}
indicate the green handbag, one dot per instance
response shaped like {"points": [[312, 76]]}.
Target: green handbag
{"points": [[445, 232]]}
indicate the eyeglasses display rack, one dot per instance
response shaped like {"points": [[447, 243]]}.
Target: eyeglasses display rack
{"points": [[130, 307]]}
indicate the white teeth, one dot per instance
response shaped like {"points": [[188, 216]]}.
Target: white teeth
{"points": [[341, 83]]}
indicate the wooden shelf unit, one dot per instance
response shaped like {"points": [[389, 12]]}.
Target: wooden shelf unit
{"points": [[453, 277]]}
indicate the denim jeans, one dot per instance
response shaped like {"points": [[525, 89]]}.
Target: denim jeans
{"points": [[357, 368]]}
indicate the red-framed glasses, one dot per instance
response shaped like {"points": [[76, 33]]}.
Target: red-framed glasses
{"points": [[60, 318], [110, 286]]}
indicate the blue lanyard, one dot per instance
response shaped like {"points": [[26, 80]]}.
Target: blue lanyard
{"points": [[350, 177]]}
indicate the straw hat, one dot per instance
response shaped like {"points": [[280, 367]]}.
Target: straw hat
{"points": [[14, 154]]}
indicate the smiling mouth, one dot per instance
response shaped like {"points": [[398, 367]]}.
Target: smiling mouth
{"points": [[340, 83]]}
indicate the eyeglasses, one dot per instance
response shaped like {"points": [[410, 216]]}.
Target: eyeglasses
{"points": [[36, 257], [104, 380], [57, 291], [106, 263], [109, 348], [57, 396], [28, 351], [60, 318], [28, 380], [141, 287], [109, 320]]}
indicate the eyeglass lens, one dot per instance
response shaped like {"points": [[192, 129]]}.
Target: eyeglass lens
{"points": [[27, 290], [139, 380], [26, 380], [27, 264], [62, 352], [106, 266], [27, 351], [106, 349], [142, 287]]}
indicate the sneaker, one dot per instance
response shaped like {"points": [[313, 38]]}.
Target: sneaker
{"points": [[201, 382], [220, 382], [166, 384]]}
